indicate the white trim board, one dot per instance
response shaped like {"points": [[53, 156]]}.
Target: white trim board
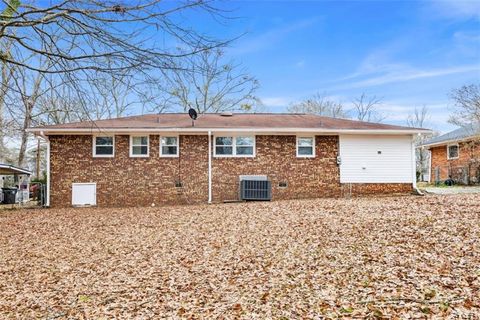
{"points": [[177, 146], [94, 146], [196, 130], [130, 147], [314, 144]]}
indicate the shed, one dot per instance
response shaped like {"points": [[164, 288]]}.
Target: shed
{"points": [[9, 170]]}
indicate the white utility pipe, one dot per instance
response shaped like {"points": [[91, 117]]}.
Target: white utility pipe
{"points": [[47, 203], [414, 163], [414, 168], [209, 166]]}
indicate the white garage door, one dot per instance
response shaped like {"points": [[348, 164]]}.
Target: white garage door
{"points": [[84, 194], [376, 159]]}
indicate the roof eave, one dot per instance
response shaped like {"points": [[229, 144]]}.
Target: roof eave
{"points": [[447, 142], [13, 169], [57, 131]]}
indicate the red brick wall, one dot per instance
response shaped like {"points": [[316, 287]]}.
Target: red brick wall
{"points": [[125, 181], [469, 156], [369, 189], [276, 158]]}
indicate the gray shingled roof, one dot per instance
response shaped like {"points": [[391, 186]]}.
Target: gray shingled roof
{"points": [[455, 135]]}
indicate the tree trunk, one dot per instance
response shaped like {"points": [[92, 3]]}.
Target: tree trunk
{"points": [[29, 103], [3, 92], [26, 124]]}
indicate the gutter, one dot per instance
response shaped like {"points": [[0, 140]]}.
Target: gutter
{"points": [[446, 142], [233, 129], [17, 170], [41, 134]]}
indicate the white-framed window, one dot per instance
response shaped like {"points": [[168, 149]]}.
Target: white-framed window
{"points": [[103, 146], [234, 146], [139, 146], [453, 151], [169, 146], [305, 147]]}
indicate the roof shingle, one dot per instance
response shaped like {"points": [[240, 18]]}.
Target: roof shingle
{"points": [[274, 121], [461, 133]]}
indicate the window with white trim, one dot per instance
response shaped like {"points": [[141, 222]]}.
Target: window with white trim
{"points": [[139, 146], [452, 151], [103, 146], [235, 146], [305, 147], [169, 146]]}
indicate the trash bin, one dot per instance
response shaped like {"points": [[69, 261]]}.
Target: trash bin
{"points": [[9, 195], [42, 192]]}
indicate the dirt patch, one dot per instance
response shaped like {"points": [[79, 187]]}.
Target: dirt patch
{"points": [[390, 257]]}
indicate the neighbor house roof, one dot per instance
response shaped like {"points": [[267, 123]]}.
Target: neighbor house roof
{"points": [[463, 133], [262, 122], [7, 169]]}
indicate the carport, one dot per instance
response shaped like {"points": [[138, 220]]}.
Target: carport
{"points": [[21, 179]]}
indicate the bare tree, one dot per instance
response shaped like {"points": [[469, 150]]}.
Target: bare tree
{"points": [[209, 84], [59, 106], [5, 83], [467, 105], [27, 89], [113, 95], [6, 74], [320, 105], [365, 108], [66, 60], [418, 119], [92, 31]]}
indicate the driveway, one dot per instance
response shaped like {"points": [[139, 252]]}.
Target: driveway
{"points": [[453, 190]]}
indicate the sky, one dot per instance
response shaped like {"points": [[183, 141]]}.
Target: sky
{"points": [[409, 53]]}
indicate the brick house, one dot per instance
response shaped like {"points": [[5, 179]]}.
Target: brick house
{"points": [[455, 155], [166, 159]]}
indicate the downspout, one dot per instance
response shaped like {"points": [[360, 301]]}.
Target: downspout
{"points": [[47, 202], [429, 165], [209, 167], [414, 169]]}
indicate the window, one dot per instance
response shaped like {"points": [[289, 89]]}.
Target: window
{"points": [[306, 147], [240, 146], [223, 146], [452, 151], [103, 146], [244, 146], [138, 146], [169, 146]]}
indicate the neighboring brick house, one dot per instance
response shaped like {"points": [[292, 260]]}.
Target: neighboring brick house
{"points": [[163, 159], [455, 155]]}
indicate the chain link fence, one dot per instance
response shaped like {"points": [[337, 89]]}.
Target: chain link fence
{"points": [[463, 175]]}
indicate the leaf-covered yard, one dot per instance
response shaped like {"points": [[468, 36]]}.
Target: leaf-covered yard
{"points": [[371, 257]]}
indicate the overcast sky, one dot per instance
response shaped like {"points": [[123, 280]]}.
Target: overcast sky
{"points": [[410, 53]]}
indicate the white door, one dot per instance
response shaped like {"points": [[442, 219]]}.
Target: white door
{"points": [[376, 159], [84, 194]]}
